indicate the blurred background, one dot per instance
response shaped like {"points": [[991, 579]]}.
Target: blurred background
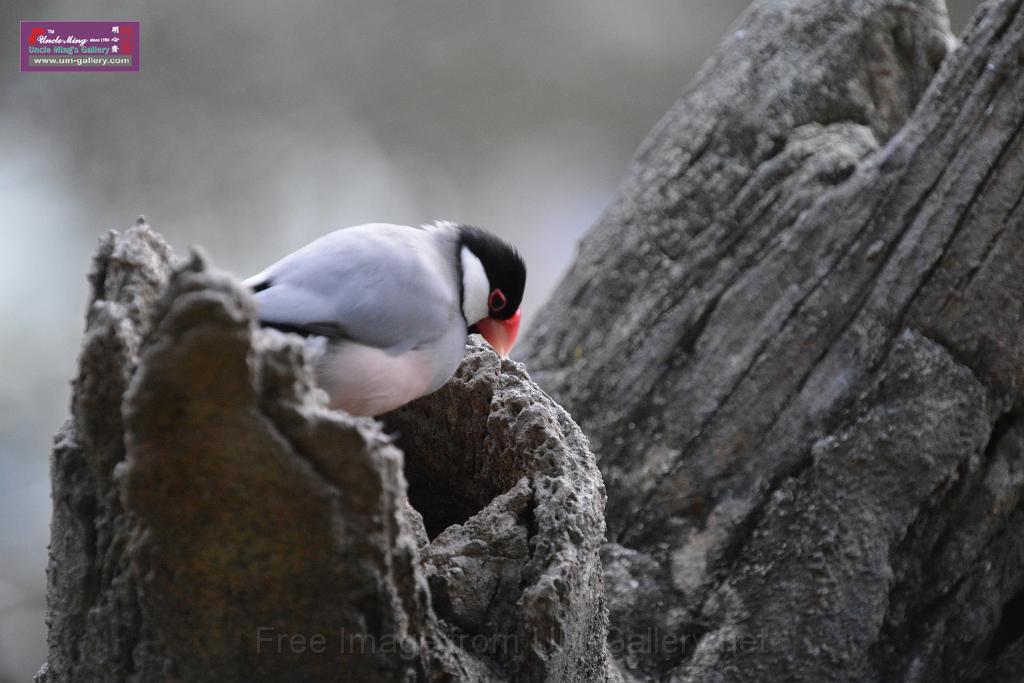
{"points": [[254, 127]]}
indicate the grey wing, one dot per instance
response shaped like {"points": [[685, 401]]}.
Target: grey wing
{"points": [[381, 285]]}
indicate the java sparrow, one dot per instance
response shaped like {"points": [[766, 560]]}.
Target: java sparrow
{"points": [[386, 308]]}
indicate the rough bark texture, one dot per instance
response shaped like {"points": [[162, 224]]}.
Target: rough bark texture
{"points": [[795, 340], [213, 522], [805, 387]]}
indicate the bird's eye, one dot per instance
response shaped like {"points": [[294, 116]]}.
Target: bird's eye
{"points": [[496, 301]]}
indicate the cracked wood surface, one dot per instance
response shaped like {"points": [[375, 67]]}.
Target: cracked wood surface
{"points": [[792, 254]]}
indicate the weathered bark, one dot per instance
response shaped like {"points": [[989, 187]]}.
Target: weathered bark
{"points": [[796, 342], [206, 505]]}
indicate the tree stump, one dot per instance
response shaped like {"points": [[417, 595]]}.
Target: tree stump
{"points": [[213, 521]]}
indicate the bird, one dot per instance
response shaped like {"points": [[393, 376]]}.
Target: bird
{"points": [[386, 309]]}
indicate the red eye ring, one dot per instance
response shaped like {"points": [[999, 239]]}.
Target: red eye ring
{"points": [[496, 301]]}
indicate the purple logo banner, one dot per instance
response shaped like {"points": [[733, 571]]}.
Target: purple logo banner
{"points": [[80, 46]]}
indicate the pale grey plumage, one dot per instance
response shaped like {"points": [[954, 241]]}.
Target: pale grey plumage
{"points": [[392, 287], [387, 300]]}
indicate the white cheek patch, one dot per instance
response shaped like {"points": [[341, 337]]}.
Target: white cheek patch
{"points": [[475, 288]]}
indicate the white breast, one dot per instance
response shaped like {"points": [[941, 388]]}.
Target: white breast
{"points": [[364, 380]]}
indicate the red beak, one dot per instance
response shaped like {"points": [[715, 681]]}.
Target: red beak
{"points": [[500, 334]]}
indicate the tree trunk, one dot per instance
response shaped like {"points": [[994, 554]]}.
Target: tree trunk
{"points": [[214, 522], [795, 341]]}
